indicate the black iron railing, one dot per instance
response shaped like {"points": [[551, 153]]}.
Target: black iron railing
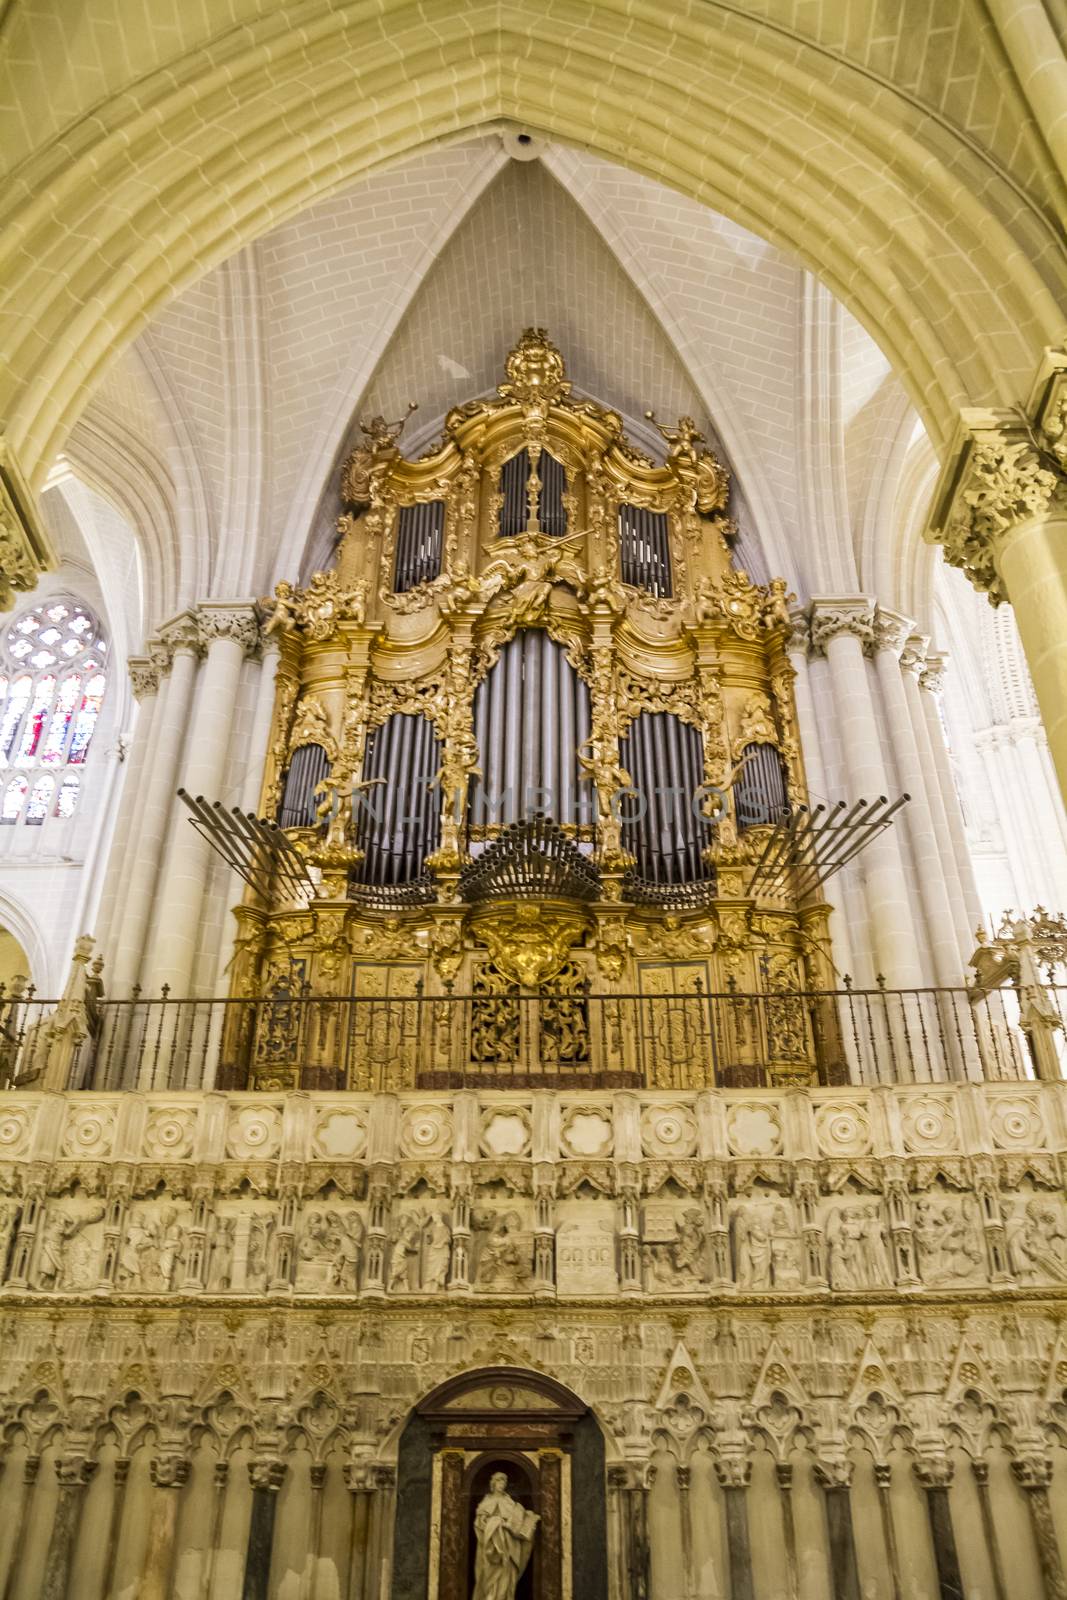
{"points": [[519, 1040]]}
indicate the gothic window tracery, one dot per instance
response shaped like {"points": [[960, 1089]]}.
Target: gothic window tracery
{"points": [[52, 683]]}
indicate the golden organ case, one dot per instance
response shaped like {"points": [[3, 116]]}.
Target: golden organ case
{"points": [[531, 735]]}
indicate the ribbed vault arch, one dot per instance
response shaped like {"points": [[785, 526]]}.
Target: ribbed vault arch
{"points": [[920, 235]]}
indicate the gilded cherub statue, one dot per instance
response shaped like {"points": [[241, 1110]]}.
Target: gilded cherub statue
{"points": [[542, 562], [366, 464]]}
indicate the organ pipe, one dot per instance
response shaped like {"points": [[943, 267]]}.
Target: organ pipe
{"points": [[308, 766], [399, 821], [419, 535], [663, 754], [531, 713]]}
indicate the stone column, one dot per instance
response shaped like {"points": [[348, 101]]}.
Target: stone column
{"points": [[835, 1478], [380, 1525], [169, 1473], [883, 1478], [120, 1474], [1001, 516], [890, 634], [220, 1479], [841, 629], [1034, 1474], [262, 718], [181, 641], [227, 632], [733, 1473], [145, 674], [30, 1468], [931, 681], [935, 1475], [266, 1477], [797, 646], [783, 1472], [74, 1473]]}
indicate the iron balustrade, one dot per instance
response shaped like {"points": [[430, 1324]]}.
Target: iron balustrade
{"points": [[519, 1040]]}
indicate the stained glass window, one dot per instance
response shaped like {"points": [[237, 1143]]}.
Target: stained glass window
{"points": [[52, 682]]}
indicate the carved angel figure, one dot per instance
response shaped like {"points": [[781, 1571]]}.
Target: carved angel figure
{"points": [[533, 566], [283, 609], [366, 464]]}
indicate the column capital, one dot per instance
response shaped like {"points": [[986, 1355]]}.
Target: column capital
{"points": [[267, 1473], [1006, 468], [833, 617], [833, 1472], [892, 630], [228, 619], [932, 676], [913, 655], [933, 1471], [145, 674], [799, 637], [75, 1471], [733, 1471], [180, 633], [169, 1471], [1031, 1471], [25, 548]]}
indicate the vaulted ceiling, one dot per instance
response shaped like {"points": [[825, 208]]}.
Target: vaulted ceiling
{"points": [[217, 434]]}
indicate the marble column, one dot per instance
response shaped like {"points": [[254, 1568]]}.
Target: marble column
{"points": [[841, 629], [733, 1473], [980, 1471], [169, 1474], [74, 1473], [783, 1473], [145, 674], [891, 632], [1034, 1474], [935, 1475], [835, 1479], [883, 1474], [181, 641], [227, 633], [553, 1555], [360, 1484], [266, 1477], [1030, 561]]}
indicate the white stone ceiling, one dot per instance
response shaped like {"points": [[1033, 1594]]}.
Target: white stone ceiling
{"points": [[217, 435]]}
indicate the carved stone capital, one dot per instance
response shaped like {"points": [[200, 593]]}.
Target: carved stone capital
{"points": [[833, 619], [75, 1471], [1009, 474], [1032, 1472], [913, 655], [891, 630], [144, 675], [799, 639], [834, 1472], [932, 677], [933, 1472], [169, 1471], [733, 1472], [181, 633], [25, 548], [225, 620], [267, 1473]]}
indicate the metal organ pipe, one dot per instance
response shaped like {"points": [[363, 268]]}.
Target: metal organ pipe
{"points": [[532, 713], [399, 822], [664, 754]]}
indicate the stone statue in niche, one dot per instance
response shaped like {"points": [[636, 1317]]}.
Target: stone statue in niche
{"points": [[407, 1248], [766, 1250], [947, 1238], [504, 1258], [1037, 1240], [330, 1249], [151, 1250], [220, 1271], [857, 1253], [680, 1262], [60, 1263], [438, 1252], [504, 1531], [9, 1216]]}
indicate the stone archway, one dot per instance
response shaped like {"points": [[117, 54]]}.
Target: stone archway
{"points": [[550, 1446], [922, 237]]}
